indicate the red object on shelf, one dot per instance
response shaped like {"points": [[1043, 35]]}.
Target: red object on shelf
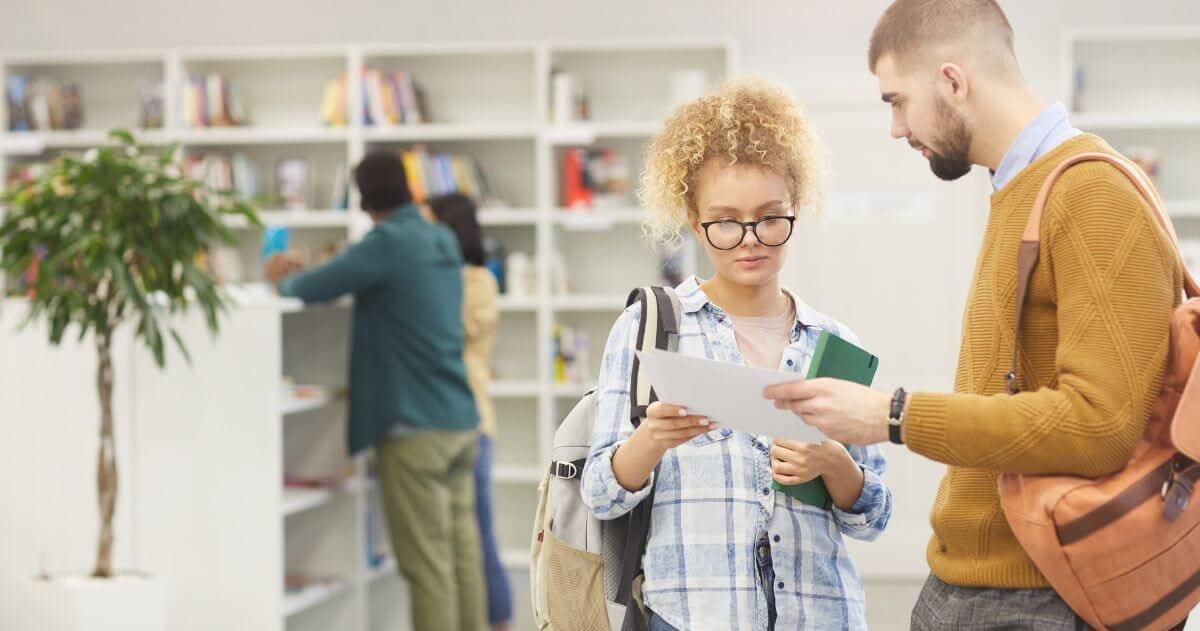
{"points": [[575, 194]]}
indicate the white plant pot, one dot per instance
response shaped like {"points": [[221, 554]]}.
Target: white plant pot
{"points": [[121, 603]]}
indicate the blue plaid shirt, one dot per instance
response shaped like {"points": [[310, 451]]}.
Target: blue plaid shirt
{"points": [[714, 499]]}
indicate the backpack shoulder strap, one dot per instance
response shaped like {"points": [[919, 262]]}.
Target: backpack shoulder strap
{"points": [[659, 328], [1030, 249]]}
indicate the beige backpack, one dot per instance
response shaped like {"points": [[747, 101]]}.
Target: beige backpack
{"points": [[584, 574]]}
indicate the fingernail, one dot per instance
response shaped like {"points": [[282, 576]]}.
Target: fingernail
{"points": [[683, 412], [704, 421]]}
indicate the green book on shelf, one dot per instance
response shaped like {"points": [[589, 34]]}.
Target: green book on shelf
{"points": [[839, 359]]}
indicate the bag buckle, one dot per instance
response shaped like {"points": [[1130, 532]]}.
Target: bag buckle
{"points": [[1010, 383], [1176, 493], [565, 470]]}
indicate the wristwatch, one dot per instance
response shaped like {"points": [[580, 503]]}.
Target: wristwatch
{"points": [[896, 416]]}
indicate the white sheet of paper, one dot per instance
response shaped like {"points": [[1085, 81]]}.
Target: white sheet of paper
{"points": [[726, 393]]}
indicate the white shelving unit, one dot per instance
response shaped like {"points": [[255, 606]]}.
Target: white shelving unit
{"points": [[487, 100], [1132, 94]]}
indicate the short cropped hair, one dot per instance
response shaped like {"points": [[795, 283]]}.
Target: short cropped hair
{"points": [[915, 31], [382, 181]]}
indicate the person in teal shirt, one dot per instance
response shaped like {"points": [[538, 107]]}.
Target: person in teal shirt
{"points": [[409, 396]]}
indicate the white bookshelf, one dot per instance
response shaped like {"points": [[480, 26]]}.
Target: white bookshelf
{"points": [[1134, 97], [487, 100]]}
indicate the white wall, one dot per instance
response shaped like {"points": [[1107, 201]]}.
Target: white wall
{"points": [[899, 286]]}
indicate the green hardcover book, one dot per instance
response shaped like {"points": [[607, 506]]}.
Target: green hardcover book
{"points": [[838, 359]]}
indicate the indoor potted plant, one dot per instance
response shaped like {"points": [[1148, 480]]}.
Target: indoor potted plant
{"points": [[116, 237]]}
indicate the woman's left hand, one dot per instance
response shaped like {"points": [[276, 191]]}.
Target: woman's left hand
{"points": [[795, 462]]}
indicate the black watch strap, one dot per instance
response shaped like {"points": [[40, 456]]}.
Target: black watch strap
{"points": [[896, 416]]}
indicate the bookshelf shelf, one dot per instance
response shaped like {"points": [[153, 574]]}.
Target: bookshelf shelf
{"points": [[298, 219], [215, 136], [313, 596], [589, 132], [489, 101], [515, 388], [435, 132], [292, 404], [296, 501], [603, 303], [35, 142], [597, 219], [508, 217]]}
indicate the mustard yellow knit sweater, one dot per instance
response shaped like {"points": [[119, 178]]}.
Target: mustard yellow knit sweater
{"points": [[1094, 346]]}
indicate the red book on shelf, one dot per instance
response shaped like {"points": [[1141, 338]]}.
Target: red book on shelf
{"points": [[575, 194]]}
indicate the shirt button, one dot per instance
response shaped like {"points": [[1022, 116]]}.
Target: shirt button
{"points": [[776, 538], [789, 362], [766, 491], [780, 584]]}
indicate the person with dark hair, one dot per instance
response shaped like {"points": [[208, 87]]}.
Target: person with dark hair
{"points": [[409, 395], [481, 316]]}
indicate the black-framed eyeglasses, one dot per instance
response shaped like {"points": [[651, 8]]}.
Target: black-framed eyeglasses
{"points": [[727, 234]]}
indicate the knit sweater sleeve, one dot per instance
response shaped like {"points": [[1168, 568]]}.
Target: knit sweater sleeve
{"points": [[1116, 281]]}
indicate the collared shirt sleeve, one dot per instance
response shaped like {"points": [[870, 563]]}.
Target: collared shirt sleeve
{"points": [[359, 267]]}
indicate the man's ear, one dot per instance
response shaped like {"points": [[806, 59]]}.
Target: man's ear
{"points": [[952, 79]]}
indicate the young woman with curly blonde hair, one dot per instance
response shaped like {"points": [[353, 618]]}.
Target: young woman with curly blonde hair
{"points": [[726, 551]]}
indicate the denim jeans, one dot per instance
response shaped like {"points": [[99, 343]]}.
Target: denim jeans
{"points": [[499, 593]]}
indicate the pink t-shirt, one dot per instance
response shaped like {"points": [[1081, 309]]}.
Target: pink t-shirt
{"points": [[762, 340]]}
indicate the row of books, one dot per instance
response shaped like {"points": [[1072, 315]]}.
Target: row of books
{"points": [[389, 98], [292, 190], [438, 173], [212, 101], [572, 350], [39, 103], [594, 178]]}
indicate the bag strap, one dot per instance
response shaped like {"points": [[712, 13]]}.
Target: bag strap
{"points": [[1030, 249], [659, 329]]}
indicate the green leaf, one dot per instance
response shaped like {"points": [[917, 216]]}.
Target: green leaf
{"points": [[122, 135], [181, 346]]}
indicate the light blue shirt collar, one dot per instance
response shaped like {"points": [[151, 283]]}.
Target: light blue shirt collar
{"points": [[1042, 135]]}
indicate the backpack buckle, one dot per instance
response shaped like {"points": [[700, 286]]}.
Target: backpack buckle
{"points": [[564, 470], [1010, 383], [1176, 492]]}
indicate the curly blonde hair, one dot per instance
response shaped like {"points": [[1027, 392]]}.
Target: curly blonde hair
{"points": [[747, 120]]}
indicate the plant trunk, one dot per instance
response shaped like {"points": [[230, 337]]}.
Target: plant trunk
{"points": [[106, 466]]}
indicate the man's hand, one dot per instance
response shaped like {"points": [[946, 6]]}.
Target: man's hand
{"points": [[843, 410], [280, 266]]}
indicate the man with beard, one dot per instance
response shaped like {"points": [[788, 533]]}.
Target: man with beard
{"points": [[1095, 329]]}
